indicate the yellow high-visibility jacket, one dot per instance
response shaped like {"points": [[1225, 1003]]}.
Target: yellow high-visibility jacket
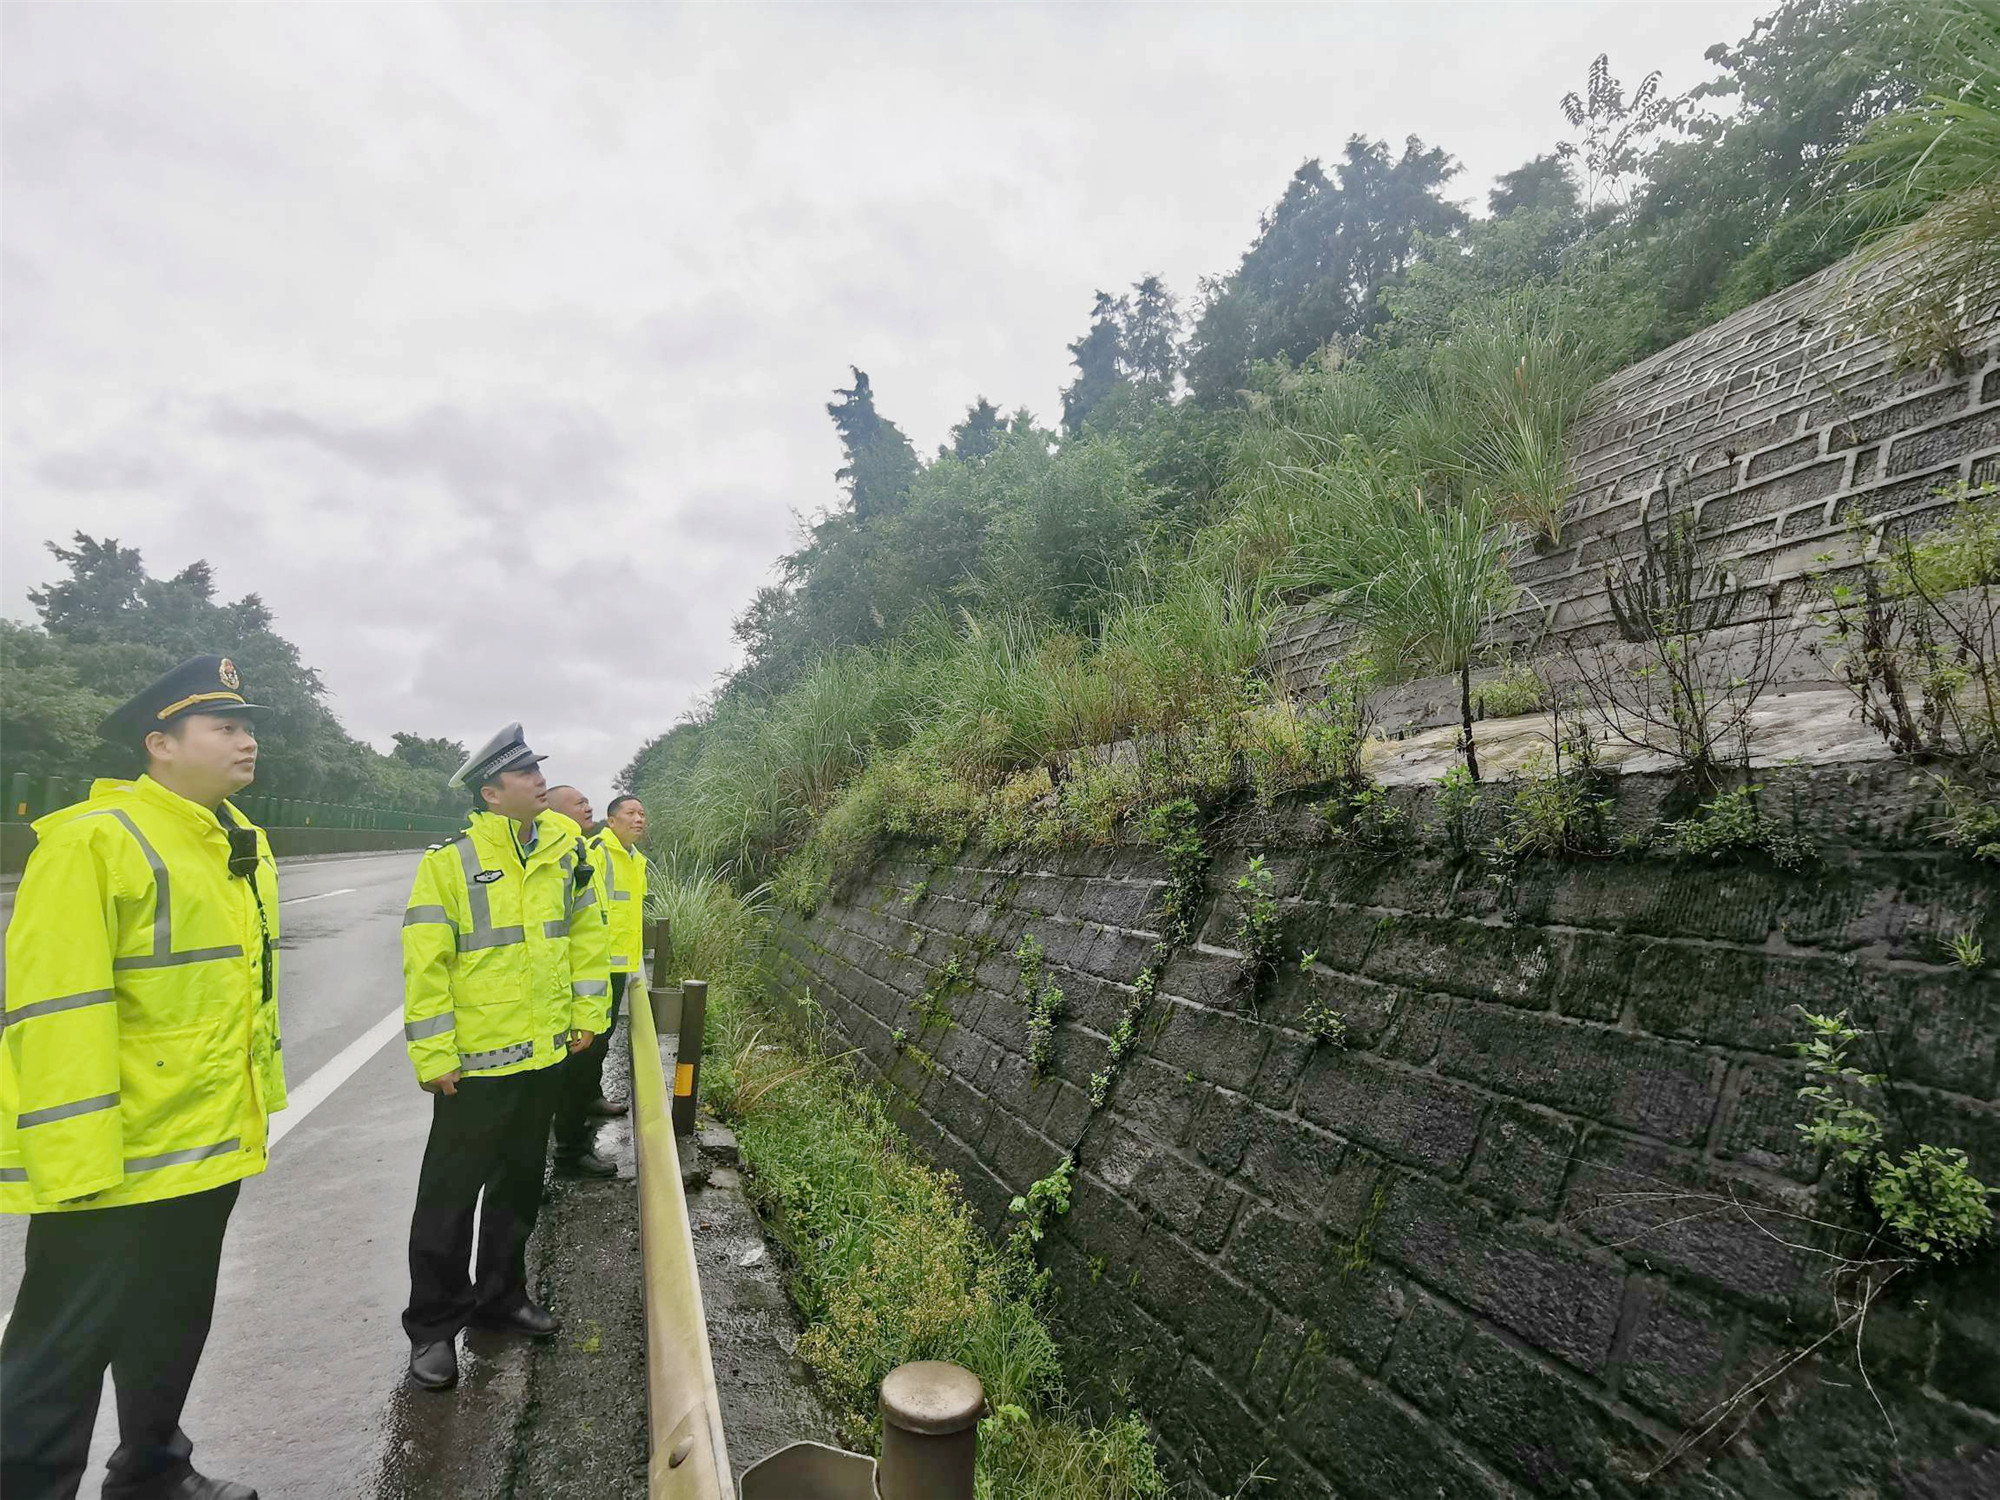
{"points": [[625, 892], [503, 957], [141, 1059]]}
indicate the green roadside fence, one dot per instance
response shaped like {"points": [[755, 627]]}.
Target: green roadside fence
{"points": [[31, 797]]}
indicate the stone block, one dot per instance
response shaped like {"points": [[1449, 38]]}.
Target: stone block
{"points": [[1289, 1259], [1221, 1319], [1277, 1081], [1595, 974], [1523, 1157], [1114, 1350], [1784, 456], [1406, 1115], [1513, 964], [1069, 1112], [1659, 1088], [1526, 1277], [1668, 1211], [1370, 1444], [1017, 1155], [1423, 1361], [1968, 1351], [1546, 1429], [1160, 1100], [1219, 1047], [1152, 1177], [1758, 1124], [1222, 1445], [1678, 1360], [1940, 444]]}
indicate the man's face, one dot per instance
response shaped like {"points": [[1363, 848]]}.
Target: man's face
{"points": [[205, 755], [629, 822], [519, 795], [572, 804]]}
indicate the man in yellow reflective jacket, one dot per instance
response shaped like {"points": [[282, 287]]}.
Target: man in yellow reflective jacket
{"points": [[614, 850], [139, 1070], [580, 1100], [504, 975]]}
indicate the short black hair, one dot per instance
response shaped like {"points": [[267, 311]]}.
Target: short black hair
{"points": [[619, 801]]}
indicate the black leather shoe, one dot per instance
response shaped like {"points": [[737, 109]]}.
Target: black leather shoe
{"points": [[187, 1486], [589, 1164], [434, 1366], [607, 1109], [525, 1317]]}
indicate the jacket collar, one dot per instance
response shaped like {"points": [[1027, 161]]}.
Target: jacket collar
{"points": [[555, 835], [149, 791]]}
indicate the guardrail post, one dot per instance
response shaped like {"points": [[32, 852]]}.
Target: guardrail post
{"points": [[687, 1057], [930, 1432], [17, 797]]}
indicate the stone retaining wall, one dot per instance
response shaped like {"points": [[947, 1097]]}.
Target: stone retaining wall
{"points": [[1779, 428], [1523, 1232]]}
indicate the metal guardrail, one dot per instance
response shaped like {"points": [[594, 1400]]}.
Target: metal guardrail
{"points": [[690, 1458], [930, 1410]]}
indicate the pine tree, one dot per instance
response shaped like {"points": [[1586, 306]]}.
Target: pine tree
{"points": [[978, 435], [1098, 356], [880, 461], [1150, 337]]}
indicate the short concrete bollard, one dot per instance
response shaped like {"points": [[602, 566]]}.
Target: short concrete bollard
{"points": [[930, 1432]]}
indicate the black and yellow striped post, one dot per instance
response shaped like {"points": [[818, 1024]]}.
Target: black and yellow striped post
{"points": [[687, 1055]]}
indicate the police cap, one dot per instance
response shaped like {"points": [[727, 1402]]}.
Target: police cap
{"points": [[199, 685], [506, 751]]}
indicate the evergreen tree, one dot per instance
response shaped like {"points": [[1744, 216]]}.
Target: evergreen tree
{"points": [[880, 461], [978, 435], [1149, 338], [1323, 259], [1099, 357]]}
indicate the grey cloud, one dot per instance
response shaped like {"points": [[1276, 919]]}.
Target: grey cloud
{"points": [[512, 461], [491, 346]]}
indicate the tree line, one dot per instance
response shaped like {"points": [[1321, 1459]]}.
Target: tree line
{"points": [[1375, 339], [106, 627]]}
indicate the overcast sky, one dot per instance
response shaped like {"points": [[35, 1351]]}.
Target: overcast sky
{"points": [[490, 343]]}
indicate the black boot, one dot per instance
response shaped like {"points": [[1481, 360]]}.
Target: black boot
{"points": [[585, 1164], [434, 1366], [523, 1317], [186, 1485]]}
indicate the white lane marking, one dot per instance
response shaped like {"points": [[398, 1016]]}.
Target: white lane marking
{"points": [[346, 890], [314, 1092]]}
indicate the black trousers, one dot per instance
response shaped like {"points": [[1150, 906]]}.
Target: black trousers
{"points": [[131, 1287], [583, 1083], [488, 1139]]}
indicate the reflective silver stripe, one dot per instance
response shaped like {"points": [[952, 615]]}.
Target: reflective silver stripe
{"points": [[66, 1111], [417, 916], [499, 1057], [182, 1158], [163, 891], [588, 898], [175, 960], [13, 1174], [590, 987], [416, 1031], [484, 934], [561, 1040], [558, 928], [50, 1007], [163, 955], [619, 962]]}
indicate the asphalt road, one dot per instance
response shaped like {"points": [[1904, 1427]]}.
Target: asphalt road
{"points": [[300, 1391]]}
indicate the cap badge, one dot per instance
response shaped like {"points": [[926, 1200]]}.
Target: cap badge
{"points": [[227, 672]]}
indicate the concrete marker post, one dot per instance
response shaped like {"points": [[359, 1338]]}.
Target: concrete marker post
{"points": [[930, 1432]]}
